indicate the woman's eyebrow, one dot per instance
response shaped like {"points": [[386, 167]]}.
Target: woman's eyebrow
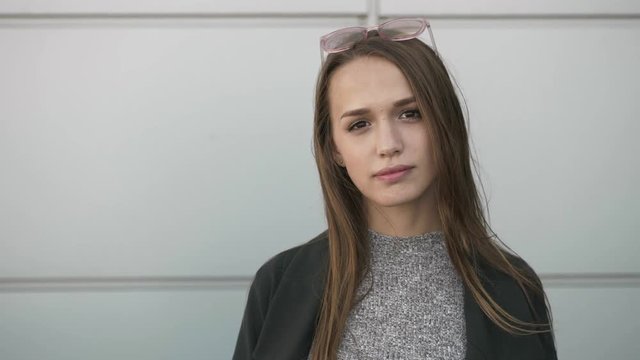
{"points": [[405, 101], [363, 111], [356, 112]]}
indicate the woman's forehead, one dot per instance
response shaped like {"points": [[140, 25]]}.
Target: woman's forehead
{"points": [[367, 82]]}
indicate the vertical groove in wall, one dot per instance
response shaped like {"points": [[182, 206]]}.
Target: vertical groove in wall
{"points": [[373, 12]]}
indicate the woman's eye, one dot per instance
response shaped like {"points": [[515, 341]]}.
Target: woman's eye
{"points": [[357, 125], [412, 114]]}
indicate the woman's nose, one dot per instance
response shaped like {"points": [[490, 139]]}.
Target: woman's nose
{"points": [[389, 139]]}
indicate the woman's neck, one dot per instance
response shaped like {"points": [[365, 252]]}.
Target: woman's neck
{"points": [[404, 220]]}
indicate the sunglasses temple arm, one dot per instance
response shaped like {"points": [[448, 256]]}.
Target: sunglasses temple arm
{"points": [[433, 41], [323, 56]]}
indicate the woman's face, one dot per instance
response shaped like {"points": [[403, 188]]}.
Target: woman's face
{"points": [[376, 125]]}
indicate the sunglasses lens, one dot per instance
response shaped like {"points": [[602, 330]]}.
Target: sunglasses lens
{"points": [[342, 39], [402, 28]]}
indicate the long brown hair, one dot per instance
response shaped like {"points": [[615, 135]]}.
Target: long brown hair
{"points": [[461, 214]]}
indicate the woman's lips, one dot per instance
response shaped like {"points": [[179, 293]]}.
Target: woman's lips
{"points": [[394, 176]]}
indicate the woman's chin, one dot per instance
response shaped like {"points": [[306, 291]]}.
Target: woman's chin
{"points": [[395, 200]]}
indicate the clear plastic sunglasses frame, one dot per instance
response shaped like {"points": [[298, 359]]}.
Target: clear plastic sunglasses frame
{"points": [[394, 30]]}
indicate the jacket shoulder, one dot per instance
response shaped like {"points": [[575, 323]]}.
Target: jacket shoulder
{"points": [[504, 284], [523, 303], [273, 269], [285, 286]]}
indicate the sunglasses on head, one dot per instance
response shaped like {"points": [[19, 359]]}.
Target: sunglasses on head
{"points": [[394, 30]]}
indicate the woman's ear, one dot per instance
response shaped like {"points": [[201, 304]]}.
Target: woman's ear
{"points": [[338, 159]]}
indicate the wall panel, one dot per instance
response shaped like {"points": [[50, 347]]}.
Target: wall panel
{"points": [[596, 323], [553, 113], [120, 325], [169, 149], [173, 149]]}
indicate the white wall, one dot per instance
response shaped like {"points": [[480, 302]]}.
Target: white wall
{"points": [[153, 154]]}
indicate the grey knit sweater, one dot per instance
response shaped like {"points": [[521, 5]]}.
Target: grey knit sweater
{"points": [[415, 308]]}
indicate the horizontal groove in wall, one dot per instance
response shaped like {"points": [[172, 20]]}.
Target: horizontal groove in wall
{"points": [[176, 15], [550, 16], [188, 283], [244, 22], [363, 15], [123, 283], [590, 280]]}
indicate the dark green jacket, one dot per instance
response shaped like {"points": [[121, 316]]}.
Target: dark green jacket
{"points": [[279, 319]]}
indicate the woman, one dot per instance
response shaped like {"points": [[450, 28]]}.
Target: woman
{"points": [[407, 268]]}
